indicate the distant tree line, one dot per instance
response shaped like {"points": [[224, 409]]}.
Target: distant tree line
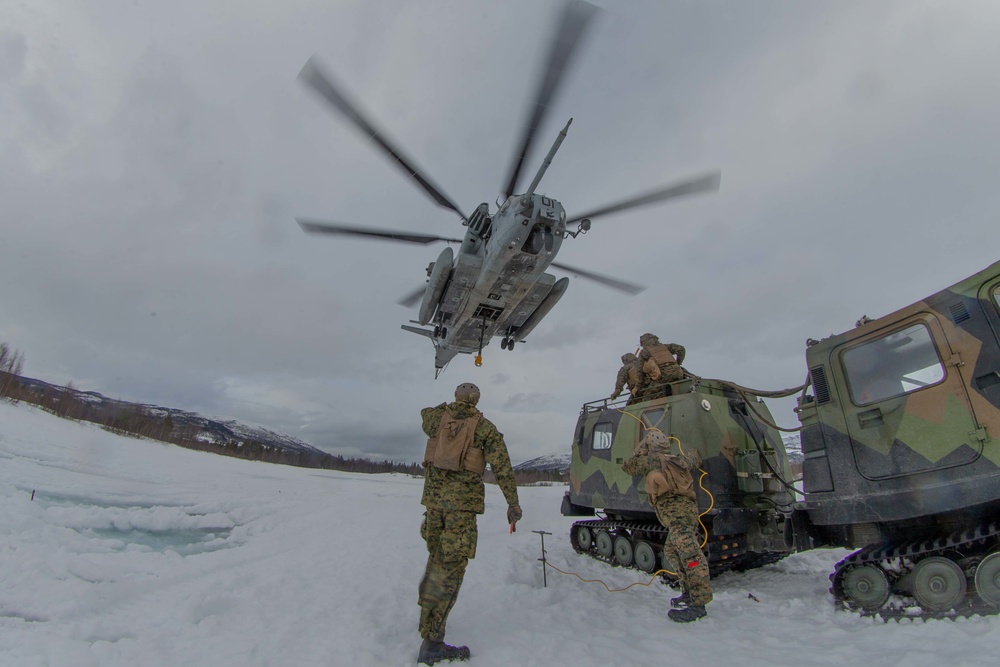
{"points": [[140, 422]]}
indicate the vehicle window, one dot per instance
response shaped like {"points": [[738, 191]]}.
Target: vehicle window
{"points": [[902, 362], [603, 434], [996, 295], [652, 418]]}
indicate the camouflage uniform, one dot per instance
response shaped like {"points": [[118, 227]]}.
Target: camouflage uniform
{"points": [[678, 512], [453, 498], [629, 375], [668, 371]]}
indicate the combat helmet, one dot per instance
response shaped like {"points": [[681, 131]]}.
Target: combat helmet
{"points": [[467, 393], [657, 443], [648, 339], [628, 357]]}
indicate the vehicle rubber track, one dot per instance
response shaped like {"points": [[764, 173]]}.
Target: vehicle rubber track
{"points": [[967, 547], [725, 552]]}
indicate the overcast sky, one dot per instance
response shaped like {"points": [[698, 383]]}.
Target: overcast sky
{"points": [[153, 157]]}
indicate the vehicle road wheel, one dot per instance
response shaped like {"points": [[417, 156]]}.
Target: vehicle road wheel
{"points": [[867, 586], [605, 545], [645, 557], [584, 538], [623, 550], [938, 583], [988, 579]]}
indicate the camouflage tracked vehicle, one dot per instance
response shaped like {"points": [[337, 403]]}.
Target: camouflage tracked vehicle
{"points": [[897, 417], [901, 456], [741, 493]]}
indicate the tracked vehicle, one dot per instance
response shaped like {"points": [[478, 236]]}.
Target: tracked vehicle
{"points": [[741, 495], [900, 417], [902, 460]]}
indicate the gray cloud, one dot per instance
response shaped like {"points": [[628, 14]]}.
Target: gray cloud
{"points": [[153, 160]]}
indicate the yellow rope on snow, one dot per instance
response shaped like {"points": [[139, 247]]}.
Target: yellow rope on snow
{"points": [[609, 589]]}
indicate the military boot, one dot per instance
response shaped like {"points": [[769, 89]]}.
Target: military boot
{"points": [[681, 601], [687, 614], [432, 652]]}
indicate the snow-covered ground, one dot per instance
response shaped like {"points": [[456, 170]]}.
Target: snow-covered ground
{"points": [[135, 553]]}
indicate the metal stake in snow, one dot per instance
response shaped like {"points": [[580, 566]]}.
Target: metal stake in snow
{"points": [[542, 534]]}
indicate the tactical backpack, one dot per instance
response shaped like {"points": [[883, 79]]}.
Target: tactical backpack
{"points": [[452, 447]]}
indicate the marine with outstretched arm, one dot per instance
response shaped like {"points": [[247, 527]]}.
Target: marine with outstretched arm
{"points": [[460, 442]]}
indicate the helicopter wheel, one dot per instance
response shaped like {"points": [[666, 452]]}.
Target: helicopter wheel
{"points": [[510, 344], [437, 331], [503, 343]]}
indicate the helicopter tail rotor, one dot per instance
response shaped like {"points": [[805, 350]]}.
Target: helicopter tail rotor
{"points": [[411, 299]]}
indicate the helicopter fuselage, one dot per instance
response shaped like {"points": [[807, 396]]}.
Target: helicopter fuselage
{"points": [[498, 280], [497, 283]]}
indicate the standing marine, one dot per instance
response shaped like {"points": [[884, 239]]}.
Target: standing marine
{"points": [[670, 487], [661, 364], [460, 442], [629, 375]]}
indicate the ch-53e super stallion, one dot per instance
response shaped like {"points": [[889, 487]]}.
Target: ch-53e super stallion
{"points": [[496, 284]]}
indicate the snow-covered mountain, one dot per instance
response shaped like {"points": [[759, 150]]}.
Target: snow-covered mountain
{"points": [[206, 429], [793, 446], [560, 462]]}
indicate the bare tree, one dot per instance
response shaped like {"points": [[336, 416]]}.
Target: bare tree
{"points": [[11, 365]]}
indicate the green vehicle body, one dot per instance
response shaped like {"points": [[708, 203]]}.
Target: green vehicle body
{"points": [[902, 461], [900, 427], [739, 488], [900, 434]]}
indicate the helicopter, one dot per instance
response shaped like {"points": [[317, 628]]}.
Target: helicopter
{"points": [[497, 284]]}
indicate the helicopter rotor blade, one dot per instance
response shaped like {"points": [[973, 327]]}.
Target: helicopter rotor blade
{"points": [[614, 283], [709, 182], [320, 227], [321, 83], [575, 16], [412, 298]]}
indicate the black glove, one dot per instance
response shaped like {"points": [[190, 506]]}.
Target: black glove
{"points": [[513, 516]]}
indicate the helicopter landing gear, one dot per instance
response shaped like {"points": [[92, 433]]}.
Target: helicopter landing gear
{"points": [[440, 331], [507, 342]]}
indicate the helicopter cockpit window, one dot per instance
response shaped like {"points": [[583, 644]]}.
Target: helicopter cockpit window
{"points": [[897, 364], [996, 295], [602, 436]]}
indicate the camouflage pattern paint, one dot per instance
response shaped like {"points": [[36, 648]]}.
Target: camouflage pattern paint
{"points": [[903, 458], [704, 415]]}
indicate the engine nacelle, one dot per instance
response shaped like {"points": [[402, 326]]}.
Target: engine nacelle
{"points": [[435, 285], [550, 300]]}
